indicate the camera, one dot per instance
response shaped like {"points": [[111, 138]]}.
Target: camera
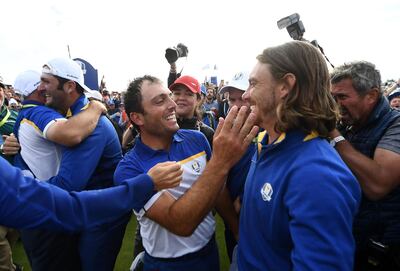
{"points": [[173, 53], [293, 25], [296, 29]]}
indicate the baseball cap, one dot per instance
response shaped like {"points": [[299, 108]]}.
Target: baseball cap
{"points": [[68, 69], [239, 81], [12, 101], [188, 81], [394, 94], [27, 82], [94, 94], [3, 84]]}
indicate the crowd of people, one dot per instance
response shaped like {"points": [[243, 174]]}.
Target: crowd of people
{"points": [[299, 162]]}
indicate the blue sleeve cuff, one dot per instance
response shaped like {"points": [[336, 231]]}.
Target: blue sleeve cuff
{"points": [[143, 189]]}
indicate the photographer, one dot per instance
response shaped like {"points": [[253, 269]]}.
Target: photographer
{"points": [[172, 54], [370, 146], [204, 117]]}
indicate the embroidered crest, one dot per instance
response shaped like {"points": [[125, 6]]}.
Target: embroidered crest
{"points": [[266, 192], [196, 166]]}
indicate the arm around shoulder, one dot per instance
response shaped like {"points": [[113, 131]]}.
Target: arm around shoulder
{"points": [[74, 130]]}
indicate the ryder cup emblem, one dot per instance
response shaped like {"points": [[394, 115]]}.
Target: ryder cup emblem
{"points": [[266, 192], [196, 166]]}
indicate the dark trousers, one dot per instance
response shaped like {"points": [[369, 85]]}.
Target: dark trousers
{"points": [[99, 247], [206, 259], [230, 242], [51, 251]]}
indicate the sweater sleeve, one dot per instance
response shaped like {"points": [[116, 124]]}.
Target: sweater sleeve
{"points": [[26, 203]]}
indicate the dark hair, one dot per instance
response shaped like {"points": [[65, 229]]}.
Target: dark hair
{"points": [[133, 96], [62, 81], [364, 76], [309, 106]]}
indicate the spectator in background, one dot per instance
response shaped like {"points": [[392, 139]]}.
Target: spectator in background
{"points": [[112, 109], [391, 88], [7, 117], [186, 94], [368, 140], [223, 105], [211, 103], [13, 104], [106, 96], [394, 99], [208, 117]]}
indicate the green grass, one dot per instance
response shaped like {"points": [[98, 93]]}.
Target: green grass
{"points": [[125, 255]]}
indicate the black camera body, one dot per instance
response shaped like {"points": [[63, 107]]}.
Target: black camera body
{"points": [[293, 25], [173, 53]]}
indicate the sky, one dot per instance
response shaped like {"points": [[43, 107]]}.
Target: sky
{"points": [[127, 39]]}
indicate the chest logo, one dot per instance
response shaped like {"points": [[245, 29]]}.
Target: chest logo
{"points": [[266, 192], [196, 166]]}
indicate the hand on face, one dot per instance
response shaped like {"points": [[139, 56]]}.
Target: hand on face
{"points": [[234, 135]]}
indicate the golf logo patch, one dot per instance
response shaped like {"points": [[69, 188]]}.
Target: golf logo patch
{"points": [[266, 192]]}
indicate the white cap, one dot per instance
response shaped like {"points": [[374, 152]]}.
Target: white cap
{"points": [[239, 81], [2, 83], [68, 69], [94, 94], [12, 101], [27, 82]]}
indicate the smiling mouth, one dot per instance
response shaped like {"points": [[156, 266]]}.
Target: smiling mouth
{"points": [[171, 117]]}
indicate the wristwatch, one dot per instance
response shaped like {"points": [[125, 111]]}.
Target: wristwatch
{"points": [[336, 140]]}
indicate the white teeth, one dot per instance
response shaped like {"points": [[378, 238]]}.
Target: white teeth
{"points": [[171, 117]]}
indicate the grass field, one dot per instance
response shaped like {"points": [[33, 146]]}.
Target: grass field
{"points": [[125, 255]]}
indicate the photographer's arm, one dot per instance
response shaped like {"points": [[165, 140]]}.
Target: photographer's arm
{"points": [[172, 74]]}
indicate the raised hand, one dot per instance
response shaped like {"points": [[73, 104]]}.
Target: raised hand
{"points": [[233, 135]]}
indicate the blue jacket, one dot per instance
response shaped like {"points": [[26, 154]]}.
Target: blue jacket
{"points": [[298, 207], [26, 203]]}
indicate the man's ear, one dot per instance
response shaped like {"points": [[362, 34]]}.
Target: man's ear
{"points": [[69, 86], [372, 96], [136, 118], [288, 82]]}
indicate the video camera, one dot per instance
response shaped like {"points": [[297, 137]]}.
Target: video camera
{"points": [[173, 53]]}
